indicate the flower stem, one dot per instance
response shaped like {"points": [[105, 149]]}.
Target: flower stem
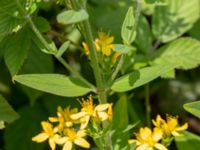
{"points": [[147, 105]]}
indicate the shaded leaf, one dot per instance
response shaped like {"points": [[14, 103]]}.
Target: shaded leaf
{"points": [[193, 108], [7, 114], [172, 20], [189, 141], [16, 49]]}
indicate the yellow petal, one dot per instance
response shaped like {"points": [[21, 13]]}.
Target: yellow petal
{"points": [[67, 146], [183, 127], [174, 133], [81, 133], [102, 107], [145, 133], [47, 127], [157, 134], [82, 142], [131, 141], [53, 119], [61, 140], [160, 146], [40, 137], [85, 123], [52, 143], [142, 147], [102, 116], [78, 115]]}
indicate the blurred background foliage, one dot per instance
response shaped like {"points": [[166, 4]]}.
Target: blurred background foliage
{"points": [[167, 96]]}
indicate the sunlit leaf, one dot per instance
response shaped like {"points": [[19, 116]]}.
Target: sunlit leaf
{"points": [[54, 83]]}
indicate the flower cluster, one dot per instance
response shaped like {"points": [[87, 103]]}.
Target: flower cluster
{"points": [[103, 45], [161, 135], [70, 126]]}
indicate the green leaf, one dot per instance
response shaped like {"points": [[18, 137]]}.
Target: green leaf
{"points": [[11, 18], [42, 24], [19, 133], [184, 53], [195, 32], [189, 141], [16, 49], [62, 49], [7, 114], [193, 108], [144, 36], [128, 32], [123, 48], [120, 121], [174, 19], [139, 78], [72, 16], [54, 83]]}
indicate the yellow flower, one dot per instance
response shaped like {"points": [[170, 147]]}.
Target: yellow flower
{"points": [[169, 127], [115, 57], [100, 112], [63, 118], [48, 133], [148, 140], [104, 43], [85, 46], [71, 136]]}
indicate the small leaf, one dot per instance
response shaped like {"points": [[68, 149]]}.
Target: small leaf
{"points": [[7, 114], [16, 49], [174, 19], [193, 108], [72, 16], [54, 83], [184, 53], [42, 24], [62, 49], [123, 48], [189, 141], [139, 78], [128, 32]]}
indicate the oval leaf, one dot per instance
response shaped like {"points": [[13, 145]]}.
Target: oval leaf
{"points": [[55, 84], [183, 53], [128, 32], [139, 78], [72, 16], [172, 20], [7, 114], [193, 108]]}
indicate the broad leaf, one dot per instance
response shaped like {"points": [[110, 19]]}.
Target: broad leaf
{"points": [[7, 114], [172, 20], [128, 32], [183, 53], [143, 38], [19, 133], [189, 141], [16, 49], [139, 78], [195, 31], [72, 16], [193, 108], [54, 83], [11, 18]]}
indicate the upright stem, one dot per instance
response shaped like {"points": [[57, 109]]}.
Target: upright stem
{"points": [[86, 28], [147, 105], [94, 60]]}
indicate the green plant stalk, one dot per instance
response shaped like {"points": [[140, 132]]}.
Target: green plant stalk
{"points": [[118, 68], [60, 59], [147, 105], [86, 28]]}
